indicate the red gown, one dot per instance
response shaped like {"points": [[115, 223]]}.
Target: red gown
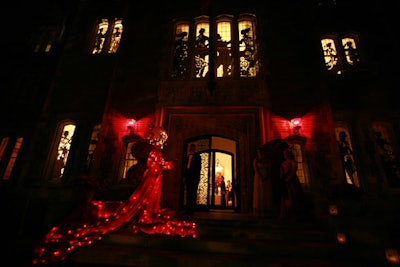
{"points": [[142, 211]]}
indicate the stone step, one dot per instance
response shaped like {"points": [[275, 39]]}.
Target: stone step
{"points": [[234, 242]]}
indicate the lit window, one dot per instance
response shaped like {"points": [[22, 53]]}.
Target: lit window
{"points": [[247, 50], [227, 40], [180, 61], [202, 49], [347, 155], [108, 36], [330, 53], [340, 54], [63, 148], [350, 50], [224, 49], [13, 158]]}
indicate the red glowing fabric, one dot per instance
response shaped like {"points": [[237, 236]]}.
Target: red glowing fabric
{"points": [[141, 211]]}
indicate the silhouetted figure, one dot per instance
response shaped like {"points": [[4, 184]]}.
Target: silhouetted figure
{"points": [[202, 41], [224, 55], [346, 154], [202, 54], [192, 178], [100, 41], [223, 191]]}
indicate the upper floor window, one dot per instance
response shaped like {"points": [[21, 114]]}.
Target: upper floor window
{"points": [[46, 38], [62, 153], [229, 45], [108, 36], [9, 150], [340, 53]]}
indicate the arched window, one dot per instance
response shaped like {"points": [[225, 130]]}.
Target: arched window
{"points": [[108, 36], [63, 147], [180, 61], [247, 48], [227, 42], [202, 48], [341, 52], [224, 59]]}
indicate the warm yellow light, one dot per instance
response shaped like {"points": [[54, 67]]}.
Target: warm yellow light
{"points": [[333, 210], [392, 256], [341, 238]]}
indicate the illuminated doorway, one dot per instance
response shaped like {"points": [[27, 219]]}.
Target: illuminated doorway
{"points": [[216, 188]]}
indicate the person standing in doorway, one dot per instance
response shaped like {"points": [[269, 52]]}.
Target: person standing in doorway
{"points": [[223, 191], [262, 188], [192, 178]]}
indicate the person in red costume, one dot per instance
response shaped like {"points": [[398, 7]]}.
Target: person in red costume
{"points": [[141, 212]]}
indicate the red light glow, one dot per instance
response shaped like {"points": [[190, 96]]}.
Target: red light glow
{"points": [[142, 212]]}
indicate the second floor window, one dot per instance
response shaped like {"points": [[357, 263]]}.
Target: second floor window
{"points": [[108, 36], [340, 54], [229, 45]]}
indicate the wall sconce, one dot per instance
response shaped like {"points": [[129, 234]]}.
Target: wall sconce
{"points": [[295, 124], [130, 125], [341, 238], [392, 256], [333, 210]]}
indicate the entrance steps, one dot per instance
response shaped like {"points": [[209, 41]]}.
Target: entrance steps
{"points": [[234, 240]]}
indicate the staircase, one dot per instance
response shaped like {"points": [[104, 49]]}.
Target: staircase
{"points": [[232, 239]]}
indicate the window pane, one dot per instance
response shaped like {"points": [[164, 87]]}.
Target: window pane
{"points": [[101, 36], [224, 50], [347, 155], [13, 158], [3, 145], [300, 164], [330, 53], [180, 61], [350, 50], [116, 36], [247, 51], [202, 50], [63, 150]]}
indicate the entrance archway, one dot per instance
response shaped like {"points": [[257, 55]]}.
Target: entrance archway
{"points": [[218, 179]]}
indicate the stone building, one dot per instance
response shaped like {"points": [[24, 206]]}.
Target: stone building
{"points": [[86, 79]]}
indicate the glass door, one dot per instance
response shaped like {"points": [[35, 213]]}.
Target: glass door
{"points": [[221, 181]]}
